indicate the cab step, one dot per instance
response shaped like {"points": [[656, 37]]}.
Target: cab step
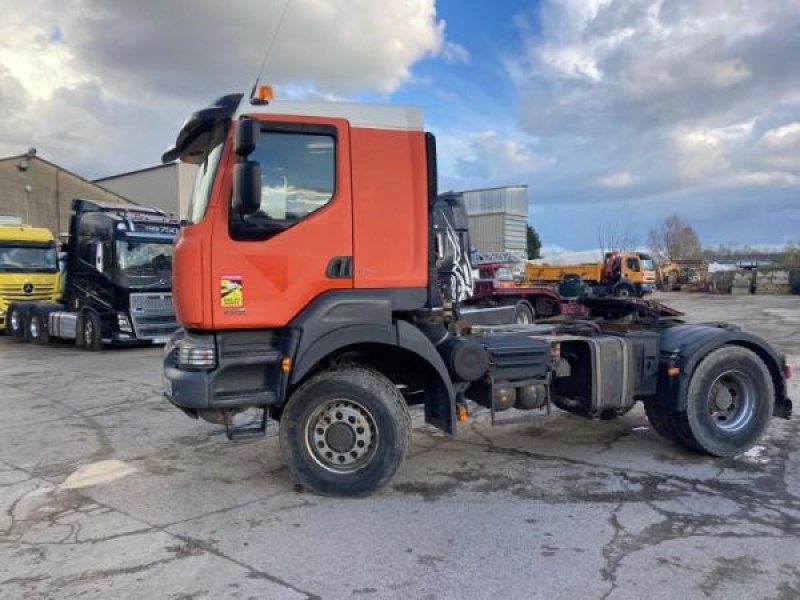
{"points": [[245, 432]]}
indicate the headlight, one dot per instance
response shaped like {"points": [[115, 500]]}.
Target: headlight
{"points": [[124, 323], [196, 353]]}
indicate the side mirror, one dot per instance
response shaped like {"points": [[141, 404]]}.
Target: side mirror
{"points": [[98, 256], [246, 187], [246, 137]]}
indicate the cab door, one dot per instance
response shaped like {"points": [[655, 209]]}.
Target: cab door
{"points": [[268, 266]]}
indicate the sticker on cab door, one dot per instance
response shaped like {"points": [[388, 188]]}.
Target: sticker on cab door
{"points": [[231, 291]]}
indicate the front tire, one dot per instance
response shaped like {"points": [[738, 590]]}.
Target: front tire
{"points": [[345, 432], [90, 332], [729, 403], [523, 313], [15, 322]]}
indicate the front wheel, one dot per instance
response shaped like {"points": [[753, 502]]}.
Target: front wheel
{"points": [[345, 432], [729, 403], [523, 313], [91, 334], [15, 323]]}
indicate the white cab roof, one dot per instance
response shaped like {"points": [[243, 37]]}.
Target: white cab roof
{"points": [[372, 116]]}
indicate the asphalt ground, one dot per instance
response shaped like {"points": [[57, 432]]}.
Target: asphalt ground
{"points": [[106, 491]]}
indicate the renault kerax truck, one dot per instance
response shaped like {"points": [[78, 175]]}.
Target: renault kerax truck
{"points": [[307, 286]]}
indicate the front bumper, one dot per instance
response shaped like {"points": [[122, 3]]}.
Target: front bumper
{"points": [[248, 371]]}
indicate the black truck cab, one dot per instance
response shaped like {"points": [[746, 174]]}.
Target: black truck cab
{"points": [[119, 268]]}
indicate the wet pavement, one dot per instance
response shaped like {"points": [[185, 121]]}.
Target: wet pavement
{"points": [[106, 491]]}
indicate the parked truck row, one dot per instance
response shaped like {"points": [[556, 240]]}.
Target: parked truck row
{"points": [[118, 278], [317, 282]]}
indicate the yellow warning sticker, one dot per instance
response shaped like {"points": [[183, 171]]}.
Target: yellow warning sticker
{"points": [[231, 291]]}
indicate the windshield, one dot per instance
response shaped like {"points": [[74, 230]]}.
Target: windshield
{"points": [[202, 186], [26, 258], [647, 263], [144, 258]]}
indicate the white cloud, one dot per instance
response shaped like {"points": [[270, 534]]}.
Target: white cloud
{"points": [[124, 75], [487, 157], [620, 179], [764, 178], [786, 137], [690, 95], [453, 53]]}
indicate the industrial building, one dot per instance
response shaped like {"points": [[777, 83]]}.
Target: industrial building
{"points": [[40, 193], [498, 218], [168, 187]]}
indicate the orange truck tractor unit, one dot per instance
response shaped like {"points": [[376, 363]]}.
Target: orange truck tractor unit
{"points": [[308, 284], [620, 274]]}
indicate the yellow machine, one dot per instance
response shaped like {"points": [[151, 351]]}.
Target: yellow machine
{"points": [[621, 274], [28, 267]]}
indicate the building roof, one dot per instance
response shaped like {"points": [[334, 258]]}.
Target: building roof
{"points": [[137, 171], [19, 157]]}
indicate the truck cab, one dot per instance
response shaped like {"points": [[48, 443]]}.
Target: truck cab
{"points": [[28, 267], [119, 265], [636, 271], [313, 283]]}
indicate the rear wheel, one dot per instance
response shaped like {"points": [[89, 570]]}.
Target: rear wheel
{"points": [[91, 332], [662, 420], [37, 327], [345, 432], [729, 403], [15, 323], [523, 313]]}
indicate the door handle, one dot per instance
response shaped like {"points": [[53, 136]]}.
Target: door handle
{"points": [[340, 267]]}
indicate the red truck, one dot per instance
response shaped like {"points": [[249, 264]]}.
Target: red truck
{"points": [[309, 285]]}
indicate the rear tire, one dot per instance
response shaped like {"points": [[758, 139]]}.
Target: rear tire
{"points": [[523, 313], [37, 327], [345, 432], [729, 403], [15, 322], [90, 332], [663, 421]]}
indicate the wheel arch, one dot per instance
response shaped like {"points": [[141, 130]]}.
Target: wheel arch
{"points": [[400, 352], [686, 346]]}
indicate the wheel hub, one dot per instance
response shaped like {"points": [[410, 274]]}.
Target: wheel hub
{"points": [[723, 399], [341, 435], [731, 401]]}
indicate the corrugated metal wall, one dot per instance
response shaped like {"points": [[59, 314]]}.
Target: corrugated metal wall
{"points": [[167, 187], [487, 232], [156, 187], [498, 218]]}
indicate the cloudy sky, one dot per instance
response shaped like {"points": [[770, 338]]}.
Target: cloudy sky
{"points": [[610, 110]]}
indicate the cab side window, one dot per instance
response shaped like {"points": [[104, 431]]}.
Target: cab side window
{"points": [[298, 177], [632, 264]]}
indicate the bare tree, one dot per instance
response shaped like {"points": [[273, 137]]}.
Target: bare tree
{"points": [[674, 239], [615, 236]]}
